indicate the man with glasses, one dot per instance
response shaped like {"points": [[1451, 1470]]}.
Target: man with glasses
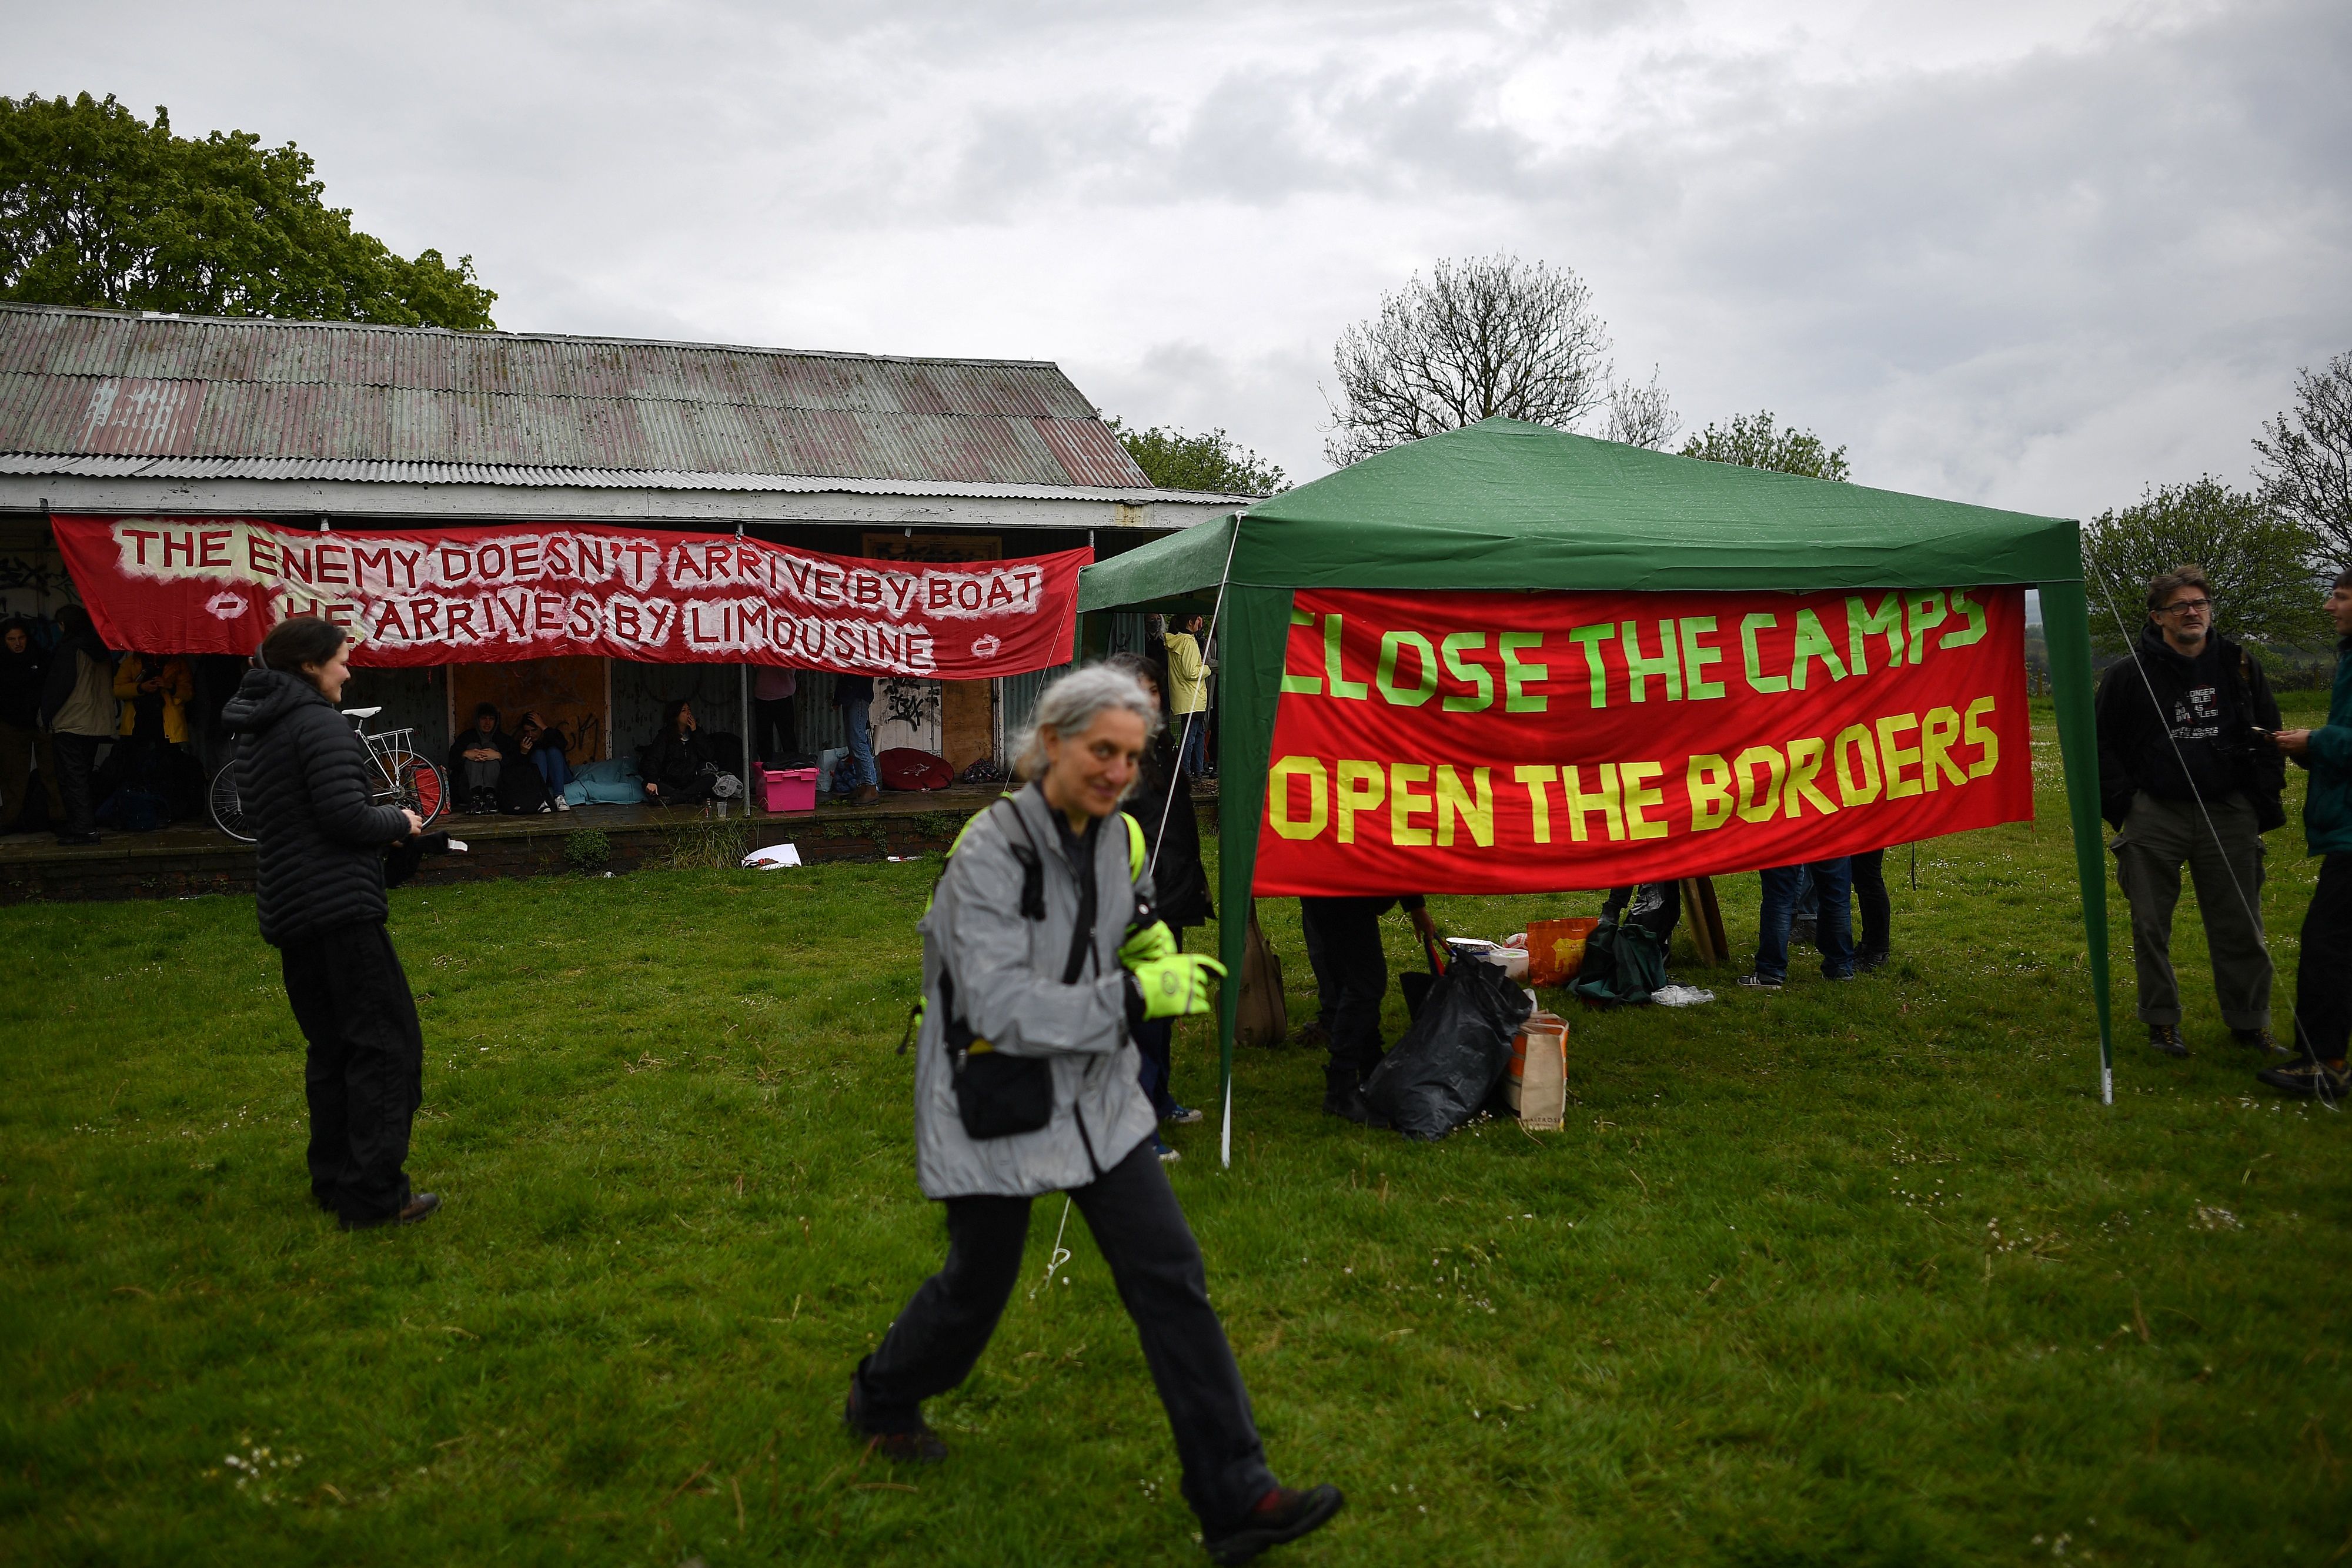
{"points": [[2189, 773]]}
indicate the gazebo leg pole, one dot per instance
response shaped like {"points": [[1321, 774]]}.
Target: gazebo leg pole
{"points": [[2066, 625]]}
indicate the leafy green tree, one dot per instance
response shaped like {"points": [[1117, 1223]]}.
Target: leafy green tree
{"points": [[1175, 461], [1759, 443], [2307, 457], [99, 208], [2256, 559]]}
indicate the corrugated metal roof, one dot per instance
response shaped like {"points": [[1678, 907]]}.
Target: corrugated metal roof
{"points": [[376, 472], [89, 382]]}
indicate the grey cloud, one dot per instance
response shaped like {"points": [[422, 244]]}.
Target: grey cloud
{"points": [[2043, 277]]}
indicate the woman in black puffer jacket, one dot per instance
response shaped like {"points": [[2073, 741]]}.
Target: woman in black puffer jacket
{"points": [[304, 777]]}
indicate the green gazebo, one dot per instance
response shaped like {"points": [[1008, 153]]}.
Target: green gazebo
{"points": [[1506, 504]]}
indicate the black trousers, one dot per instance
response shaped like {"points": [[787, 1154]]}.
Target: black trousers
{"points": [[76, 771], [27, 756], [1351, 980], [1156, 1266], [774, 735], [2323, 975], [1873, 914], [365, 1072]]}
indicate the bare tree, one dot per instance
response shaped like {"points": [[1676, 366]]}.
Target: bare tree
{"points": [[1642, 416], [2308, 458], [1494, 335]]}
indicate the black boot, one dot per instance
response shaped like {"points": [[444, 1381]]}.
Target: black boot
{"points": [[900, 1442], [1280, 1515], [1343, 1096]]}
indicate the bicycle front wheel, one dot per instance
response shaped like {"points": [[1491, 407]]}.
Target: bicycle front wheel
{"points": [[228, 812], [414, 784]]}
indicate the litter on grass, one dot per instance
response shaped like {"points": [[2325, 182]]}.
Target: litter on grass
{"points": [[1680, 995], [773, 857]]}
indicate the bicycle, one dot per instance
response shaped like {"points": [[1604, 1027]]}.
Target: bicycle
{"points": [[401, 778]]}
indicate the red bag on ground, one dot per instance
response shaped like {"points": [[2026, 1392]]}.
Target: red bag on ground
{"points": [[903, 767]]}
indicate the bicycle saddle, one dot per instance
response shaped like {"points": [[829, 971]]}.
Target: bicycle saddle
{"points": [[356, 714]]}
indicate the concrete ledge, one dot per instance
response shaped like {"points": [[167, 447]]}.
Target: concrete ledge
{"points": [[187, 862]]}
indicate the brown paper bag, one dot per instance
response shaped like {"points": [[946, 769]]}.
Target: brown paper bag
{"points": [[1262, 1017], [1537, 1087]]}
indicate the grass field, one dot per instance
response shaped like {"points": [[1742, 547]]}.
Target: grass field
{"points": [[1851, 1274]]}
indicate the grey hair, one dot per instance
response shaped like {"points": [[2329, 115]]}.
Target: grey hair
{"points": [[1070, 706]]}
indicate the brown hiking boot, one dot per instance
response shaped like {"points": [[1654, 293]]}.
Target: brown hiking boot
{"points": [[2166, 1038], [2260, 1039]]}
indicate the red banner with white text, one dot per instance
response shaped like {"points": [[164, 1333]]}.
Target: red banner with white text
{"points": [[1536, 742], [439, 596]]}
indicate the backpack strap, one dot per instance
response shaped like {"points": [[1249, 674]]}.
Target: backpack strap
{"points": [[1135, 847], [1033, 868], [1033, 904]]}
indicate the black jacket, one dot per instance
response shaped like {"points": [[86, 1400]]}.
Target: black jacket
{"points": [[2205, 712], [304, 777], [64, 673], [472, 739], [1180, 884], [20, 681], [675, 761]]}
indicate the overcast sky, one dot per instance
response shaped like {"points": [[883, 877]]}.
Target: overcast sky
{"points": [[2031, 253]]}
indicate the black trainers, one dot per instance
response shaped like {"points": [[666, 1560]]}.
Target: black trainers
{"points": [[1864, 962], [2330, 1082], [1280, 1515], [2166, 1038], [1350, 1105], [2261, 1039], [418, 1209], [918, 1446]]}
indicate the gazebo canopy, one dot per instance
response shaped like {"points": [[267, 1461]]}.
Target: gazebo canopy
{"points": [[1503, 505]]}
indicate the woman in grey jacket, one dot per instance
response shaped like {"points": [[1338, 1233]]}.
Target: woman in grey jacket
{"points": [[1037, 970]]}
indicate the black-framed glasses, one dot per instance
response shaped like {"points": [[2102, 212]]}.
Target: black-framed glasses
{"points": [[2198, 604]]}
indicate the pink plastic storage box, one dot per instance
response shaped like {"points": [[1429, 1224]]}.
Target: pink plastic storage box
{"points": [[789, 788]]}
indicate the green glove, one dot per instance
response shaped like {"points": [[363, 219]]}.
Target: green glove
{"points": [[1153, 941], [1176, 985]]}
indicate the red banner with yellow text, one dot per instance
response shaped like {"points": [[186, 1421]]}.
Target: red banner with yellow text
{"points": [[1534, 742], [438, 596]]}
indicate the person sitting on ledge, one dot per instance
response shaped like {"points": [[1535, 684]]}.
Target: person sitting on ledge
{"points": [[542, 749], [677, 766], [476, 759]]}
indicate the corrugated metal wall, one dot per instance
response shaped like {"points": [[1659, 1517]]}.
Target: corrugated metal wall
{"points": [[641, 691], [415, 699]]}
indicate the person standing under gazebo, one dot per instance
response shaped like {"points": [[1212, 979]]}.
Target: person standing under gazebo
{"points": [[1188, 692]]}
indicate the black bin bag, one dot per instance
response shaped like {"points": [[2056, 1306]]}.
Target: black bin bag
{"points": [[1453, 1055]]}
